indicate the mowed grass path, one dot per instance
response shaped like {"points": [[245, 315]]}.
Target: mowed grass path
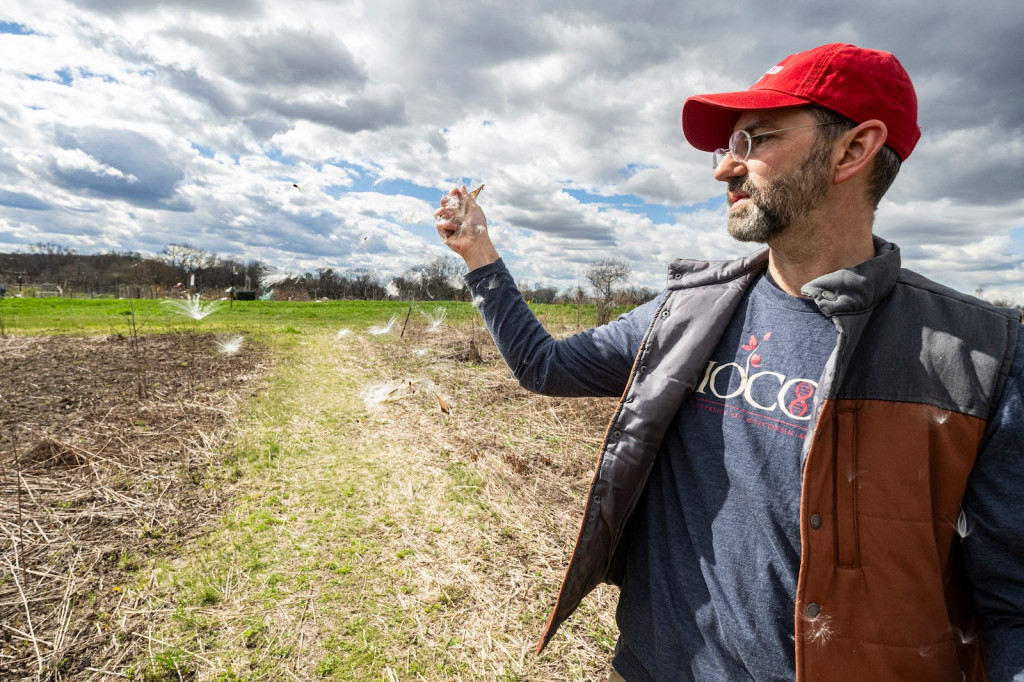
{"points": [[396, 543]]}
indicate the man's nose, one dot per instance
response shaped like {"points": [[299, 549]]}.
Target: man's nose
{"points": [[730, 168]]}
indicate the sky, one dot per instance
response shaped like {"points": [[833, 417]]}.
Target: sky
{"points": [[311, 135]]}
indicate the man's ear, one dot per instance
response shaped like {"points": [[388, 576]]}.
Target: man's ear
{"points": [[857, 147]]}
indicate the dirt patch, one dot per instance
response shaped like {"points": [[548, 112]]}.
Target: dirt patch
{"points": [[104, 446]]}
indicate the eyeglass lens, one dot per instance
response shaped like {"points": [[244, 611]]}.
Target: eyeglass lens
{"points": [[739, 147]]}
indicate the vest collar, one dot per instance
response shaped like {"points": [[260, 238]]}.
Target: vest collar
{"points": [[684, 273], [859, 288], [847, 291]]}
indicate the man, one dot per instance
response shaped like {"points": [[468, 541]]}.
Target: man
{"points": [[814, 470]]}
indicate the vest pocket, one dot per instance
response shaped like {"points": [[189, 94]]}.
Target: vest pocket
{"points": [[846, 484]]}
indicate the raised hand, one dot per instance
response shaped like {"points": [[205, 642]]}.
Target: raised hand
{"points": [[462, 225]]}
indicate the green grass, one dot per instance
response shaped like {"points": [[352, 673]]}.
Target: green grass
{"points": [[111, 316]]}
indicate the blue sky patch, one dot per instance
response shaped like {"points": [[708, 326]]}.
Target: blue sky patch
{"points": [[12, 28], [1017, 240], [658, 213], [364, 183], [205, 152]]}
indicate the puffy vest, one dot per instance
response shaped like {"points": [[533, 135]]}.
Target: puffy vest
{"points": [[898, 421]]}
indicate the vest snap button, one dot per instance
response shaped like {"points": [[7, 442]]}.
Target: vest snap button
{"points": [[813, 610], [815, 521]]}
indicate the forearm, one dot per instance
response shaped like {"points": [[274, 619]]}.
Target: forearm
{"points": [[594, 363], [483, 254]]}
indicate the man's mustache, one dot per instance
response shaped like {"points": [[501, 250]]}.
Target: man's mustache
{"points": [[742, 185]]}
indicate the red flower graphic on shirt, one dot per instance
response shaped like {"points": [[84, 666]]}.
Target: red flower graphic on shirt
{"points": [[750, 346]]}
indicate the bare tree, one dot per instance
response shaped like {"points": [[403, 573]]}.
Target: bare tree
{"points": [[50, 257], [441, 278], [603, 276], [189, 261], [540, 294]]}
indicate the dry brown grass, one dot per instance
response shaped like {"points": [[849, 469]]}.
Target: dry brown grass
{"points": [[391, 543], [532, 458], [94, 479]]}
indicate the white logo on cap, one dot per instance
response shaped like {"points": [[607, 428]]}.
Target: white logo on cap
{"points": [[774, 70]]}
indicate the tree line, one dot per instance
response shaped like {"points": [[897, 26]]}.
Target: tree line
{"points": [[182, 269]]}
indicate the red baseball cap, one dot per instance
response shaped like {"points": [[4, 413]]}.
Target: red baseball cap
{"points": [[854, 82]]}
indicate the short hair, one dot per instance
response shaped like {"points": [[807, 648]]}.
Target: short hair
{"points": [[887, 161]]}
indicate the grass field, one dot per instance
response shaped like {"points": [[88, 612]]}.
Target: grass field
{"points": [[367, 534], [115, 316]]}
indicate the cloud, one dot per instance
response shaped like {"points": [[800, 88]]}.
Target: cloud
{"points": [[278, 57], [117, 164], [975, 164], [380, 110], [128, 124], [23, 201], [191, 83], [233, 8]]}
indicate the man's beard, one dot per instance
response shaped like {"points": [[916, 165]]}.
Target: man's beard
{"points": [[770, 210]]}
